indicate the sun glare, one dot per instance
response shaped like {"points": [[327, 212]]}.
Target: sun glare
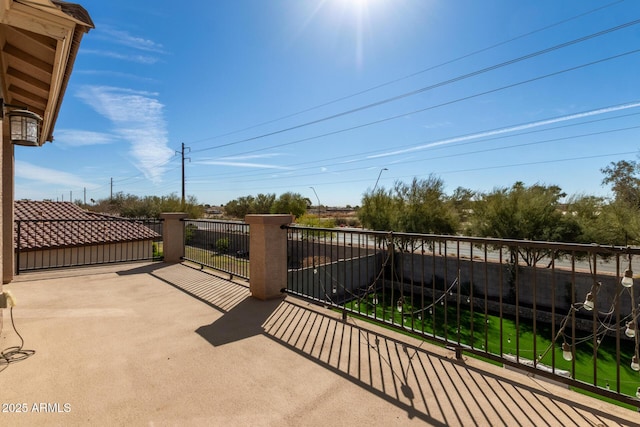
{"points": [[357, 14], [358, 4]]}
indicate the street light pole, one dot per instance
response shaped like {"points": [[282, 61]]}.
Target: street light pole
{"points": [[376, 186], [318, 198]]}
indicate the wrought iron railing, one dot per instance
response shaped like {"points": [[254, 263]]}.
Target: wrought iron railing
{"points": [[560, 311], [221, 245], [45, 244]]}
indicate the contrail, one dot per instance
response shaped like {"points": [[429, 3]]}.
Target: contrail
{"points": [[510, 129]]}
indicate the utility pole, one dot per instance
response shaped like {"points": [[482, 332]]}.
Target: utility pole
{"points": [[111, 194], [71, 196], [183, 159]]}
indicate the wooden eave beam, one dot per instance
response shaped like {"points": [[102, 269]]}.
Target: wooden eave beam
{"points": [[38, 21], [26, 57], [33, 100], [28, 79]]}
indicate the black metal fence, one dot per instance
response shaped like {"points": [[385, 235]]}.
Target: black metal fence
{"points": [[221, 245], [44, 244], [561, 311]]}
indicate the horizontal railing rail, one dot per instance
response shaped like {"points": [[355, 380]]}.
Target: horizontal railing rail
{"points": [[56, 243], [556, 310], [220, 245]]}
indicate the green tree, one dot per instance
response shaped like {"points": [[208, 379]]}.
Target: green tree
{"points": [[461, 201], [290, 203], [263, 203], [587, 211], [524, 213], [421, 207], [417, 207], [240, 207], [622, 216], [132, 206], [377, 210], [622, 176], [621, 221]]}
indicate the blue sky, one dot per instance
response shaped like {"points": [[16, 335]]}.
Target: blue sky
{"points": [[284, 95]]}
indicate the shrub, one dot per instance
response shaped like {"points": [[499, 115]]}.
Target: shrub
{"points": [[222, 245]]}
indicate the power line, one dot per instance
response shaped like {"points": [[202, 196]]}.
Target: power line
{"points": [[449, 81], [352, 181], [468, 153], [430, 87], [324, 163], [465, 98], [408, 76]]}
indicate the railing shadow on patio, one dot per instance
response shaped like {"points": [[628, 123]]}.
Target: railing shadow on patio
{"points": [[425, 381], [517, 303]]}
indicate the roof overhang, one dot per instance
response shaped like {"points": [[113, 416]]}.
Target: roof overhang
{"points": [[39, 41]]}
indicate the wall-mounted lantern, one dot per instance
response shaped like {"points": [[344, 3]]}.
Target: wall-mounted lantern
{"points": [[24, 125]]}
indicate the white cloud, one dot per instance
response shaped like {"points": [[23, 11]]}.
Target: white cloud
{"points": [[80, 138], [242, 164], [117, 74], [509, 129], [251, 156], [31, 172], [137, 117], [437, 125], [140, 59], [124, 38]]}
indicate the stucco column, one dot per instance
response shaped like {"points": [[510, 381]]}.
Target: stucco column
{"points": [[173, 236], [7, 204], [267, 255]]}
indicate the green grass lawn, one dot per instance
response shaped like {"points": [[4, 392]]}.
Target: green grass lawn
{"points": [[483, 333], [213, 259]]}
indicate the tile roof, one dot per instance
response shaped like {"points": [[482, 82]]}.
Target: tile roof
{"points": [[64, 224]]}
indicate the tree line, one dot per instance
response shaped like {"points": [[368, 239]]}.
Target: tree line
{"points": [[132, 206], [536, 212]]}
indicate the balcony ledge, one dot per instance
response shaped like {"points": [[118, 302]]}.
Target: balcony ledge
{"points": [[166, 344]]}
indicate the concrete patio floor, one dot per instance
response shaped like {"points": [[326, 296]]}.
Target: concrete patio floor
{"points": [[158, 344]]}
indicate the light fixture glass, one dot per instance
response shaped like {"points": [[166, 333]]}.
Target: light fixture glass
{"points": [[638, 393], [399, 305], [627, 279], [588, 302], [375, 299], [24, 127], [567, 354], [634, 363], [631, 329]]}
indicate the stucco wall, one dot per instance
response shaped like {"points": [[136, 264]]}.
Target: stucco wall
{"points": [[83, 255]]}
